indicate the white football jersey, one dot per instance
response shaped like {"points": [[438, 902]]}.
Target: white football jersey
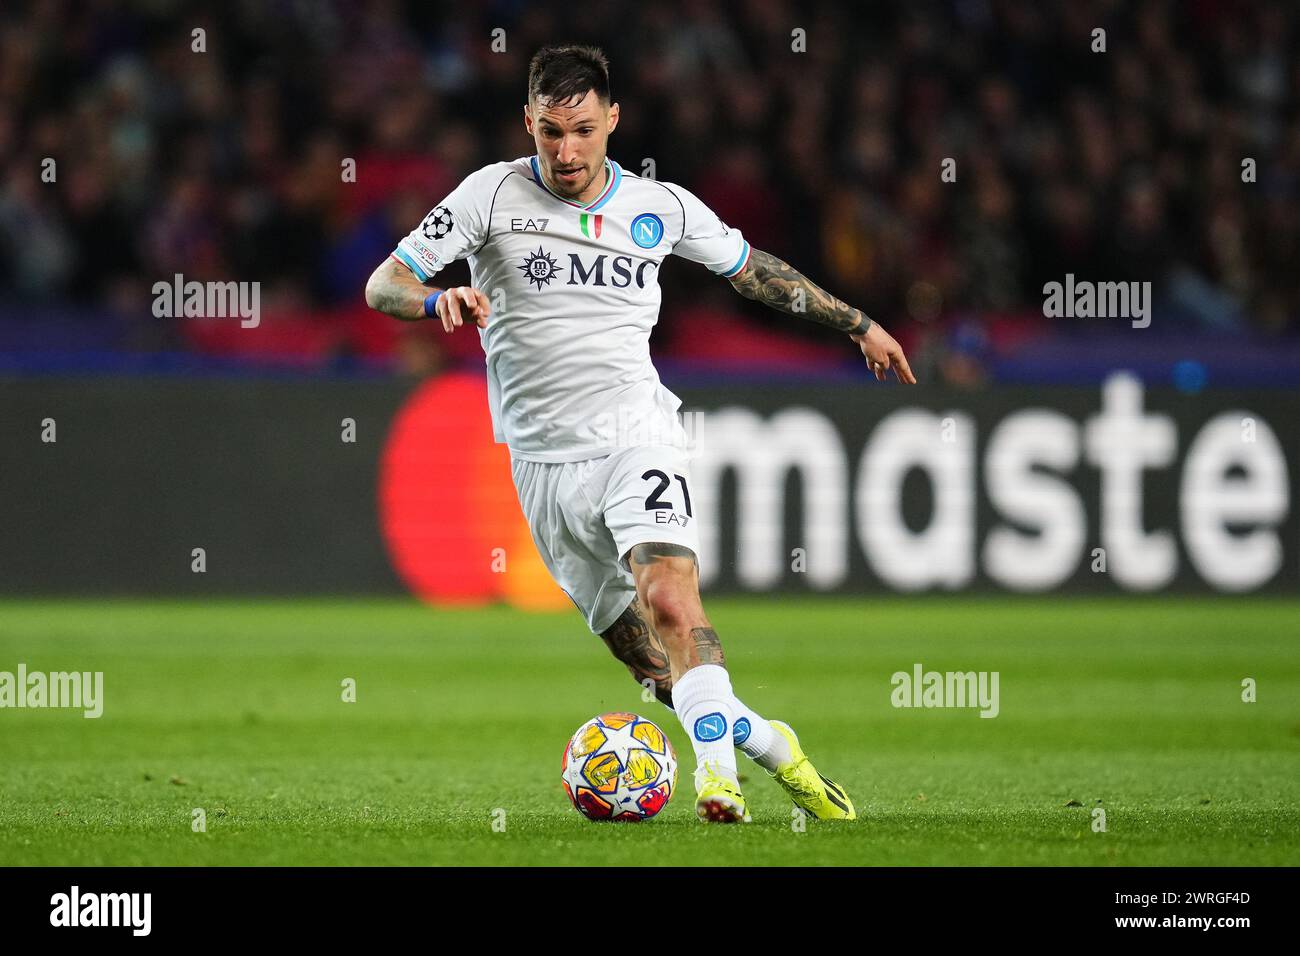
{"points": [[575, 292]]}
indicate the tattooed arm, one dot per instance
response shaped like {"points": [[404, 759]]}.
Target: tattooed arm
{"points": [[767, 279], [775, 283], [394, 290]]}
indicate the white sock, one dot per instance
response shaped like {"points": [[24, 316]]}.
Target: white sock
{"points": [[756, 738], [704, 703]]}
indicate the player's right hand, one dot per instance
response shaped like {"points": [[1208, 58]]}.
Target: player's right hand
{"points": [[461, 302]]}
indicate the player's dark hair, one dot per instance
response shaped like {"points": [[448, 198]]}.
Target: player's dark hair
{"points": [[559, 74]]}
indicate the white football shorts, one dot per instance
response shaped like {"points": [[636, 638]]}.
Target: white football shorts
{"points": [[587, 515]]}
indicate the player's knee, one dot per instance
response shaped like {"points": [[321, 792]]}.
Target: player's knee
{"points": [[672, 602]]}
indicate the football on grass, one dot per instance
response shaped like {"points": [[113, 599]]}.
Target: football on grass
{"points": [[619, 767]]}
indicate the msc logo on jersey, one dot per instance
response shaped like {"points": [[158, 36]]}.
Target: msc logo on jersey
{"points": [[624, 271], [647, 229], [438, 223], [539, 268]]}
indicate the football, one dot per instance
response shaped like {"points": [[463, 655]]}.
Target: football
{"points": [[619, 767]]}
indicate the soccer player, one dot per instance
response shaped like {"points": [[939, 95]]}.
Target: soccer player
{"points": [[564, 249]]}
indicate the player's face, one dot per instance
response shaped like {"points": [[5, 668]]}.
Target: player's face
{"points": [[571, 140]]}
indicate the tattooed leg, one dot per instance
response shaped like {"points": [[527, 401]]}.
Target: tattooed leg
{"points": [[634, 642], [708, 648], [659, 553], [667, 581]]}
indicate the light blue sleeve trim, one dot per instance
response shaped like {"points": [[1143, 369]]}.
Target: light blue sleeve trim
{"points": [[410, 264], [744, 258]]}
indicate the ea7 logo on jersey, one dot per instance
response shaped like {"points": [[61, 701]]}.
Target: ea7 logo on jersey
{"points": [[438, 223], [528, 225]]}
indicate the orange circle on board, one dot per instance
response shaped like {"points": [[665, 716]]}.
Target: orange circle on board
{"points": [[448, 510]]}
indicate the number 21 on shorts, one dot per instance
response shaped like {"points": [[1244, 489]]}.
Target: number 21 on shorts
{"points": [[665, 511]]}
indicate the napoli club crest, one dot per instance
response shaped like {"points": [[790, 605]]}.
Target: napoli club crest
{"points": [[647, 229]]}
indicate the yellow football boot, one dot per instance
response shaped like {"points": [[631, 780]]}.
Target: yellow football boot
{"points": [[812, 793], [718, 799]]}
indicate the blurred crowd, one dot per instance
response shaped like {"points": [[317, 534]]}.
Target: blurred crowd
{"points": [[820, 130]]}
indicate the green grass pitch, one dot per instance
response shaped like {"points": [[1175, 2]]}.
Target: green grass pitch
{"points": [[1130, 705]]}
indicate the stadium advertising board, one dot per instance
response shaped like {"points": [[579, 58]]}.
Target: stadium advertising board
{"points": [[1121, 489], [356, 487]]}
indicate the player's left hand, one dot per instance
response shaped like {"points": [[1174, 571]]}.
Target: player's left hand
{"points": [[883, 353], [463, 302]]}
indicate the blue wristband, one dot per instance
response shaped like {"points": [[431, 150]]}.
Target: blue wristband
{"points": [[431, 303]]}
